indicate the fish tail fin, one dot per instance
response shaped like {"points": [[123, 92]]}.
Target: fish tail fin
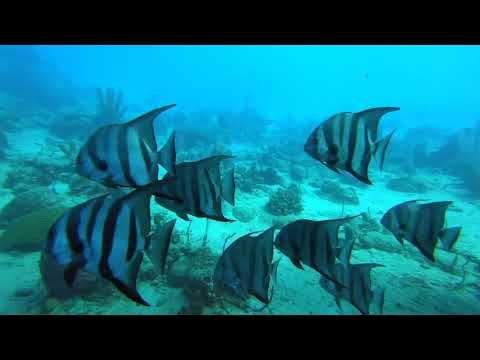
{"points": [[378, 300], [126, 282], [159, 188], [380, 148], [158, 250], [449, 236], [167, 155]]}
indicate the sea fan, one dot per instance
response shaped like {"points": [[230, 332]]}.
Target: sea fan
{"points": [[110, 107]]}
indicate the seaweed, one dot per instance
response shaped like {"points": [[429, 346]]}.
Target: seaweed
{"points": [[110, 106]]}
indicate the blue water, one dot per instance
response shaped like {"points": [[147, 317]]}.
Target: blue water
{"points": [[274, 96]]}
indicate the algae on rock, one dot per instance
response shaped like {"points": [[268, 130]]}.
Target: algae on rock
{"points": [[285, 201]]}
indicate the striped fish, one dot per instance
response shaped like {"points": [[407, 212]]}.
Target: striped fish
{"points": [[246, 268], [347, 141], [358, 290], [125, 155], [315, 244], [422, 225], [108, 235], [201, 187]]}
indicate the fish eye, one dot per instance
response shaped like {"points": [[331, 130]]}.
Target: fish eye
{"points": [[314, 141], [102, 165]]}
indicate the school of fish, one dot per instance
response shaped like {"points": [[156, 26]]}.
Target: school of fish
{"points": [[109, 235]]}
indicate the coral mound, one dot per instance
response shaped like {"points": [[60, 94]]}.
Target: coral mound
{"points": [[285, 201]]}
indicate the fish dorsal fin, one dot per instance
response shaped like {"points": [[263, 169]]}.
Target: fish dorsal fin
{"points": [[167, 156], [159, 245], [372, 117], [228, 186], [144, 125], [125, 278]]}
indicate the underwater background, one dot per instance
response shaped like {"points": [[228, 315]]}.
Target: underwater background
{"points": [[259, 104]]}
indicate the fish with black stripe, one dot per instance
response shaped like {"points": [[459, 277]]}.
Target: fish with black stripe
{"points": [[422, 225], [246, 268], [358, 290], [108, 235], [125, 155], [201, 187], [315, 244], [348, 141]]}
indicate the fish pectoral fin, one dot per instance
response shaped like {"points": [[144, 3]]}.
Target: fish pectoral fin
{"points": [[449, 236], [70, 273], [297, 263], [158, 250], [125, 280]]}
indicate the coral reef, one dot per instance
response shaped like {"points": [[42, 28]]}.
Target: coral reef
{"points": [[285, 201], [28, 232], [407, 184], [191, 270], [249, 178], [334, 192]]}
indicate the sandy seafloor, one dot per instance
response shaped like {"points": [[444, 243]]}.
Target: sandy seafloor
{"points": [[413, 285]]}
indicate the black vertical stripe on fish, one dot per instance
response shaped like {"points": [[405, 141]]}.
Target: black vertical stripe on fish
{"points": [[352, 141], [122, 143], [93, 148], [92, 218], [132, 236], [108, 236], [72, 227], [328, 134], [366, 155]]}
